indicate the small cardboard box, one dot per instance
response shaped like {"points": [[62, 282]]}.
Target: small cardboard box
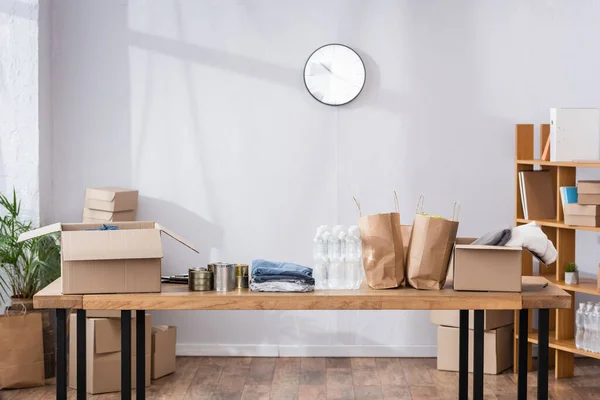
{"points": [[105, 314], [103, 366], [111, 199], [105, 217], [492, 318], [486, 268], [164, 340], [582, 215], [127, 260], [588, 192], [498, 353]]}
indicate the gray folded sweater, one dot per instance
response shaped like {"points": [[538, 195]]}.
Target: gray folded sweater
{"points": [[495, 238]]}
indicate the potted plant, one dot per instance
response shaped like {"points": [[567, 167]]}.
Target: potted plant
{"points": [[572, 274], [26, 267]]}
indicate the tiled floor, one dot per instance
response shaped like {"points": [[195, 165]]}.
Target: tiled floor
{"points": [[331, 378]]}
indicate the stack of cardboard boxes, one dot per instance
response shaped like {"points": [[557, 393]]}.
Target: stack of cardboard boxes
{"points": [[110, 204], [498, 340], [586, 212], [103, 342]]}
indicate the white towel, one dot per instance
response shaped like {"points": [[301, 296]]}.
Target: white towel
{"points": [[531, 237]]}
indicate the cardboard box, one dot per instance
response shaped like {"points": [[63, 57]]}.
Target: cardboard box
{"points": [[492, 318], [164, 340], [582, 215], [486, 268], [588, 192], [497, 353], [127, 260], [103, 367], [105, 217], [111, 199], [105, 314]]}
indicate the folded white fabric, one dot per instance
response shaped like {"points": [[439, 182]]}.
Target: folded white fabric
{"points": [[281, 286], [531, 237]]}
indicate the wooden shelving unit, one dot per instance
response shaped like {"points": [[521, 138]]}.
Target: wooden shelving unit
{"points": [[562, 342]]}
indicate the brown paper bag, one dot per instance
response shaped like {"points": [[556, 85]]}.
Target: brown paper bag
{"points": [[382, 249], [21, 344], [430, 247]]}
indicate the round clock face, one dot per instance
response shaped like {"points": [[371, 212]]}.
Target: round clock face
{"points": [[334, 74]]}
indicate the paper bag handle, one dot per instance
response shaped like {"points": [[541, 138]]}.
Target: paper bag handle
{"points": [[420, 203], [396, 202], [455, 210], [357, 205]]}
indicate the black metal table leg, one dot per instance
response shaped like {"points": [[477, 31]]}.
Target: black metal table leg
{"points": [[543, 332], [523, 354], [81, 354], [61, 354], [478, 355], [140, 356], [126, 354], [463, 358]]}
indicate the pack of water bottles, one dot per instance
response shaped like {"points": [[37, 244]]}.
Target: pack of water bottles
{"points": [[337, 258], [587, 324]]}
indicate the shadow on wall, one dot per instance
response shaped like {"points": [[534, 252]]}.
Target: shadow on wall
{"points": [[202, 234]]}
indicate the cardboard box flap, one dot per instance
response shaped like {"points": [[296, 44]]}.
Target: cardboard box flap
{"points": [[110, 245], [44, 230], [176, 237], [104, 194]]}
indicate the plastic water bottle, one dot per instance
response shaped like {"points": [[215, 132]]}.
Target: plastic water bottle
{"points": [[587, 326], [336, 275], [354, 271], [320, 258], [579, 326], [595, 336]]}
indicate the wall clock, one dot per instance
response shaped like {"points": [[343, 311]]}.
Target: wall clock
{"points": [[334, 74]]}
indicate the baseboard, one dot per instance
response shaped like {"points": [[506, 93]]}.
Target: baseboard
{"points": [[273, 350]]}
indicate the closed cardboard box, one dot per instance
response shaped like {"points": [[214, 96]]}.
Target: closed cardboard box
{"points": [[582, 215], [164, 340], [111, 199], [127, 260], [492, 318], [106, 217], [498, 349], [588, 192], [487, 268], [103, 364]]}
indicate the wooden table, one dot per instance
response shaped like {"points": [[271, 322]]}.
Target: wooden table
{"points": [[537, 294]]}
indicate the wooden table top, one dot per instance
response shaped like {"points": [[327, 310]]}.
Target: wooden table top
{"points": [[536, 294]]}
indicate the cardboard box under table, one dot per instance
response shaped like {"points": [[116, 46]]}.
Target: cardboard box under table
{"points": [[498, 349], [164, 340], [110, 204], [582, 215], [492, 318], [588, 192], [127, 260], [103, 348]]}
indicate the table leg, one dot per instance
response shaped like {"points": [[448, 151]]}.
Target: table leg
{"points": [[126, 354], [463, 358], [140, 357], [522, 359], [81, 355], [543, 332], [61, 354], [478, 355]]}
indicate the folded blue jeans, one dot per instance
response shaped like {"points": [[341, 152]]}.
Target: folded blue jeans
{"points": [[289, 270]]}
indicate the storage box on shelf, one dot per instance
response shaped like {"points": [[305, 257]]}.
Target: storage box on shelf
{"points": [[563, 236]]}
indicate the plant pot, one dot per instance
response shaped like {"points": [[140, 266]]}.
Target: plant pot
{"points": [[20, 306], [572, 278]]}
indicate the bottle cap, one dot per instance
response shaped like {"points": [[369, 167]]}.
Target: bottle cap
{"points": [[354, 231]]}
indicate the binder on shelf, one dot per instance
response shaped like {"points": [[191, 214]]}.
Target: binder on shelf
{"points": [[568, 195], [537, 196]]}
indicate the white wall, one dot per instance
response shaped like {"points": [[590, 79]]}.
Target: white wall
{"points": [[201, 106]]}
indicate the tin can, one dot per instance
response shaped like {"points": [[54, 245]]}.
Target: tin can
{"points": [[241, 276], [200, 279], [224, 277]]}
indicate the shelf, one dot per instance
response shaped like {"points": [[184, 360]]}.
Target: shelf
{"points": [[576, 164], [586, 285], [567, 345], [558, 224]]}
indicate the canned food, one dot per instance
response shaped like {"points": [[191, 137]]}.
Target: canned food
{"points": [[224, 277], [241, 276], [200, 279]]}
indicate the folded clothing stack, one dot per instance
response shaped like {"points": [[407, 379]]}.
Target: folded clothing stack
{"points": [[269, 276]]}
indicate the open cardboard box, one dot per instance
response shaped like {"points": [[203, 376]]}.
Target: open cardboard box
{"points": [[127, 260], [487, 268]]}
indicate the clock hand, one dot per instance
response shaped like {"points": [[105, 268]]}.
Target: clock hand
{"points": [[325, 67]]}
